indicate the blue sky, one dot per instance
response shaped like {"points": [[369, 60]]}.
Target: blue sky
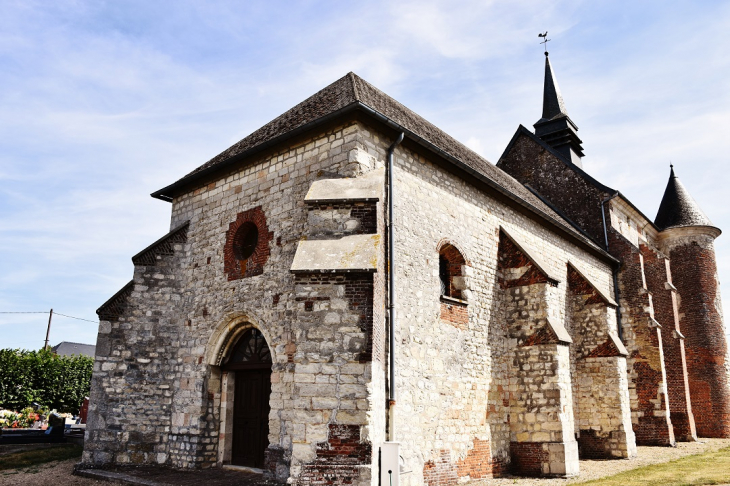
{"points": [[105, 102]]}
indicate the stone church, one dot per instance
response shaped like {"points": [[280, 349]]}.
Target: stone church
{"points": [[350, 296]]}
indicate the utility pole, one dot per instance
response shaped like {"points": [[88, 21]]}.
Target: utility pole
{"points": [[48, 331]]}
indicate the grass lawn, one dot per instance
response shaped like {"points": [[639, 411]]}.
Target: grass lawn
{"points": [[708, 468], [30, 458]]}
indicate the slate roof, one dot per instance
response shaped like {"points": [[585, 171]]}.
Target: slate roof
{"points": [[66, 348], [678, 208], [553, 105], [353, 93]]}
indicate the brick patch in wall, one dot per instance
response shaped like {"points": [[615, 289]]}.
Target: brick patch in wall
{"points": [[455, 313], [594, 446], [546, 335], [338, 459], [441, 472], [606, 350], [580, 286], [528, 458], [510, 257], [254, 264], [477, 464]]}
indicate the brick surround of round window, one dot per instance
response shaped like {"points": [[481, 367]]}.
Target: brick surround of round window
{"points": [[247, 245]]}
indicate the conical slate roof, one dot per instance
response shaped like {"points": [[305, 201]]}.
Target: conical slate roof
{"points": [[553, 105], [678, 208]]}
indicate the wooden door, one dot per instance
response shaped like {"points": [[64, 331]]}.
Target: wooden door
{"points": [[251, 417]]}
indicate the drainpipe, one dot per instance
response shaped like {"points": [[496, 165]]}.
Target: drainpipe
{"points": [[616, 293], [391, 289]]}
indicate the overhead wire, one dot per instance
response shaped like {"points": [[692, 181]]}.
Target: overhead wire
{"points": [[46, 312]]}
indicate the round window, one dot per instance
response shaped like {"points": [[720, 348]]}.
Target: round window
{"points": [[246, 240]]}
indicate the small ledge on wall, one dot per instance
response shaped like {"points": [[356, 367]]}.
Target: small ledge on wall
{"points": [[454, 311], [353, 253], [366, 188]]}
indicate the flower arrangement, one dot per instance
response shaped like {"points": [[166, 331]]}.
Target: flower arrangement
{"points": [[22, 419]]}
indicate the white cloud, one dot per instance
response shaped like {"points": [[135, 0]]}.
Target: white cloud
{"points": [[104, 103]]}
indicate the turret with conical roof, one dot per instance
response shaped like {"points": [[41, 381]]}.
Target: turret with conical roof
{"points": [[555, 127], [678, 208], [687, 235]]}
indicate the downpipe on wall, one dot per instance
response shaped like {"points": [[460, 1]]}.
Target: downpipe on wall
{"points": [[391, 290], [389, 453]]}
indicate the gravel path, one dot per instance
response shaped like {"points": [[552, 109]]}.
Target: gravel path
{"points": [[59, 473], [590, 469]]}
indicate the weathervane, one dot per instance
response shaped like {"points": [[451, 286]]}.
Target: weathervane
{"points": [[545, 40]]}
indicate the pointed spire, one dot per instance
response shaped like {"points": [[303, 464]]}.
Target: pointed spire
{"points": [[552, 101], [555, 127], [678, 208]]}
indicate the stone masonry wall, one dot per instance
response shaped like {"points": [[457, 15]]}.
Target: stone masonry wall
{"points": [[600, 382], [320, 333], [451, 388], [132, 393]]}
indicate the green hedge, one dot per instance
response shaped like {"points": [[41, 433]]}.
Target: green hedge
{"points": [[59, 382]]}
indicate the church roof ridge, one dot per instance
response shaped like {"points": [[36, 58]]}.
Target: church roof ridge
{"points": [[351, 92], [678, 208]]}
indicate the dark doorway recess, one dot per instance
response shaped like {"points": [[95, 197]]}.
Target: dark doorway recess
{"points": [[250, 360]]}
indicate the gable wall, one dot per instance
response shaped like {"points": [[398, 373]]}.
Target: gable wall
{"points": [[317, 327]]}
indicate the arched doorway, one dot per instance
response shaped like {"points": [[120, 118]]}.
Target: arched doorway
{"points": [[250, 363]]}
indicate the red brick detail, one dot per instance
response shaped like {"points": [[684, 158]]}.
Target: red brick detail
{"points": [[511, 257], [694, 269], [580, 286], [441, 472], [606, 350], [657, 273], [455, 313], [253, 265], [477, 464], [478, 461], [528, 458], [645, 362], [359, 296], [593, 446], [338, 458], [544, 335], [367, 215]]}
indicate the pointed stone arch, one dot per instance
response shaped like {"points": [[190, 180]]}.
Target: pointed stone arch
{"points": [[227, 332]]}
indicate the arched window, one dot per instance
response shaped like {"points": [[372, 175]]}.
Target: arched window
{"points": [[451, 268], [250, 352]]}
